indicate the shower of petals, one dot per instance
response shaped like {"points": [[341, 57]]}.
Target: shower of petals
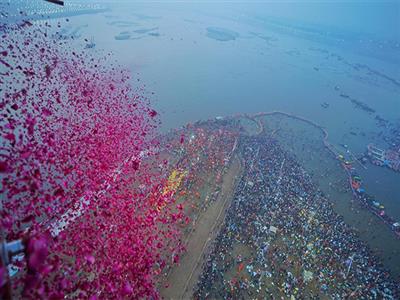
{"points": [[74, 151]]}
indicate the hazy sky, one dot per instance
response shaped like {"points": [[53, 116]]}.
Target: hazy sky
{"points": [[381, 18], [378, 17]]}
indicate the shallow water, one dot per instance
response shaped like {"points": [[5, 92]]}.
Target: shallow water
{"points": [[305, 142], [221, 34]]}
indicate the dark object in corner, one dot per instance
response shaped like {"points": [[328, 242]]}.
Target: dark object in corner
{"points": [[59, 2]]}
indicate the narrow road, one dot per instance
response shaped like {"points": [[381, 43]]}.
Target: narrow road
{"points": [[182, 279]]}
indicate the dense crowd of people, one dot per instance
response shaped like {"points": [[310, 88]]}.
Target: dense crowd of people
{"points": [[281, 238]]}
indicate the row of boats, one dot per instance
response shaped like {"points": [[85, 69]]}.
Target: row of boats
{"points": [[366, 199], [388, 158]]}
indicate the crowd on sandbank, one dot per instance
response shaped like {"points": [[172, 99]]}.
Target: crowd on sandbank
{"points": [[281, 238]]}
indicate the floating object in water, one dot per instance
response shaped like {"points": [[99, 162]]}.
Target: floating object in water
{"points": [[360, 190], [221, 34], [325, 105], [355, 185], [389, 158], [376, 203], [91, 44]]}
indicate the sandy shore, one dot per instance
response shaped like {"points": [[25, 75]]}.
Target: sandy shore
{"points": [[183, 277]]}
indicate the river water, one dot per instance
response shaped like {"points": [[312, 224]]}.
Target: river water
{"points": [[305, 142]]}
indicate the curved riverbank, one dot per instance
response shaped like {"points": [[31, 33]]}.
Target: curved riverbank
{"points": [[350, 171]]}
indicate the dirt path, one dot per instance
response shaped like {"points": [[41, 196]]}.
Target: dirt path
{"points": [[183, 277]]}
